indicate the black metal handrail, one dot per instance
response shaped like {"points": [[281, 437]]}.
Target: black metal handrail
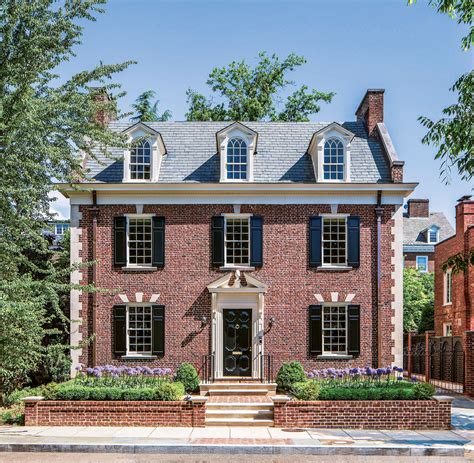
{"points": [[266, 367], [208, 368]]}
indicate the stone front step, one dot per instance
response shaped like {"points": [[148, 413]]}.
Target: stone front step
{"points": [[237, 389], [238, 422], [239, 413]]}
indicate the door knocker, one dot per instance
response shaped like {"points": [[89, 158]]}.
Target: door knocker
{"points": [[237, 326]]}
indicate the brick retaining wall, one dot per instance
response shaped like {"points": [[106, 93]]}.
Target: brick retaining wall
{"points": [[375, 414], [114, 413]]}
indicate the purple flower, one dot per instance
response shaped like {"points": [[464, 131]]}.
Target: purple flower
{"points": [[399, 378], [414, 379], [97, 373], [310, 375], [90, 371]]}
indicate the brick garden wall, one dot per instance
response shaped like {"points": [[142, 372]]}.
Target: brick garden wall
{"points": [[377, 414], [114, 413], [182, 283]]}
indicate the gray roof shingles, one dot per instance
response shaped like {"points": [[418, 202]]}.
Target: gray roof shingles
{"points": [[414, 226], [281, 153]]}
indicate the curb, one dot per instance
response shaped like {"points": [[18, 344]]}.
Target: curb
{"points": [[199, 449]]}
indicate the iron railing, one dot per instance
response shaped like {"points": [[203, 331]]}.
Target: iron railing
{"points": [[208, 368], [266, 368]]}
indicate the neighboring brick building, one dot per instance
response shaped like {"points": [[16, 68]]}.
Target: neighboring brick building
{"points": [[242, 239], [454, 293], [422, 229]]}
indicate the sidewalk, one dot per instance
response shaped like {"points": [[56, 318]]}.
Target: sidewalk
{"points": [[236, 440]]}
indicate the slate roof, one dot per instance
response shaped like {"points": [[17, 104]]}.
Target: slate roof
{"points": [[281, 153], [414, 226]]}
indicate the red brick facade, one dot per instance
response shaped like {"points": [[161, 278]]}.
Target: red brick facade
{"points": [[460, 311], [376, 414], [292, 284], [469, 364], [90, 413], [410, 259]]}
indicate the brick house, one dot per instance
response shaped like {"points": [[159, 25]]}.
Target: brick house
{"points": [[422, 229], [240, 240], [454, 293]]}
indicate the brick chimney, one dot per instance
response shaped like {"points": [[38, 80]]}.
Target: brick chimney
{"points": [[104, 114], [370, 110], [464, 214], [418, 207]]}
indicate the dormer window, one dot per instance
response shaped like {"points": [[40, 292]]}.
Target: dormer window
{"points": [[140, 161], [330, 150], [433, 235], [333, 163], [237, 159]]}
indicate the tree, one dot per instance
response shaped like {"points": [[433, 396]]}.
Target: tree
{"points": [[45, 129], [146, 111], [253, 94], [418, 300], [453, 135]]}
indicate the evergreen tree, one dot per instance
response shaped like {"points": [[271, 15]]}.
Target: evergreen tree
{"points": [[146, 111]]}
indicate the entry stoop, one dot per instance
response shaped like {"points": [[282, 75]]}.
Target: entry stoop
{"points": [[238, 389], [239, 413]]}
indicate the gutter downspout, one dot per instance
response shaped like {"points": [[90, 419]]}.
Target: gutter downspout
{"points": [[95, 213], [378, 215]]}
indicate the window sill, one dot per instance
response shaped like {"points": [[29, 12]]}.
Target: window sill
{"points": [[334, 357], [447, 304], [139, 357], [334, 268], [244, 268], [132, 268]]}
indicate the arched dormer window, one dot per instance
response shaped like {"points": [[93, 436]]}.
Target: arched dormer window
{"points": [[333, 162], [237, 159], [140, 161]]}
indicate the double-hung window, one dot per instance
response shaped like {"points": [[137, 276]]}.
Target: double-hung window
{"points": [[139, 330], [448, 287], [61, 228], [333, 161], [140, 161], [422, 263], [139, 239], [334, 241], [334, 329], [237, 241]]}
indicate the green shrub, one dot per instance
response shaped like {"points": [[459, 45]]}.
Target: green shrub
{"points": [[423, 391], [49, 391], [16, 396], [368, 393], [289, 374], [188, 376], [113, 393], [97, 393], [170, 391], [13, 415], [306, 390], [68, 391], [137, 393]]}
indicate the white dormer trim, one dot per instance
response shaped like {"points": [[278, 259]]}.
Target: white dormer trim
{"points": [[158, 150], [316, 150], [236, 130], [427, 231]]}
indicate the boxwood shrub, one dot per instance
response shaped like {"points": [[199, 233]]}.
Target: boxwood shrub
{"points": [[306, 390], [188, 376], [289, 374]]}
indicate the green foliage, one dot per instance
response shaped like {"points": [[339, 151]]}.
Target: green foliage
{"points": [[170, 391], [188, 376], [459, 262], [453, 134], [146, 111], [423, 391], [13, 415], [418, 300], [306, 390], [253, 94], [391, 392], [289, 374], [45, 124]]}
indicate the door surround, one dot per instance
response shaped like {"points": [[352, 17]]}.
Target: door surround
{"points": [[228, 292]]}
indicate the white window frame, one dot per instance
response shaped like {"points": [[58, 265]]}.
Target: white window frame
{"points": [[428, 235], [447, 329], [332, 305], [127, 327], [139, 145], [324, 164], [63, 226], [333, 216], [417, 265], [236, 216], [139, 216], [448, 287], [246, 164]]}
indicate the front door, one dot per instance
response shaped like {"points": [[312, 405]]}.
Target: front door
{"points": [[237, 342]]}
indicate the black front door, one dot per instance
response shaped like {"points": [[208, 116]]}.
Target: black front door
{"points": [[237, 342]]}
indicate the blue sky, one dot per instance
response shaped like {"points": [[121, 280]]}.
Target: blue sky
{"points": [[350, 45]]}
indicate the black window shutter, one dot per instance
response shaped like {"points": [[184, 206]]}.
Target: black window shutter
{"points": [[315, 329], [315, 235], [158, 225], [158, 329], [217, 240], [353, 330], [120, 327], [120, 240], [256, 241], [353, 241]]}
